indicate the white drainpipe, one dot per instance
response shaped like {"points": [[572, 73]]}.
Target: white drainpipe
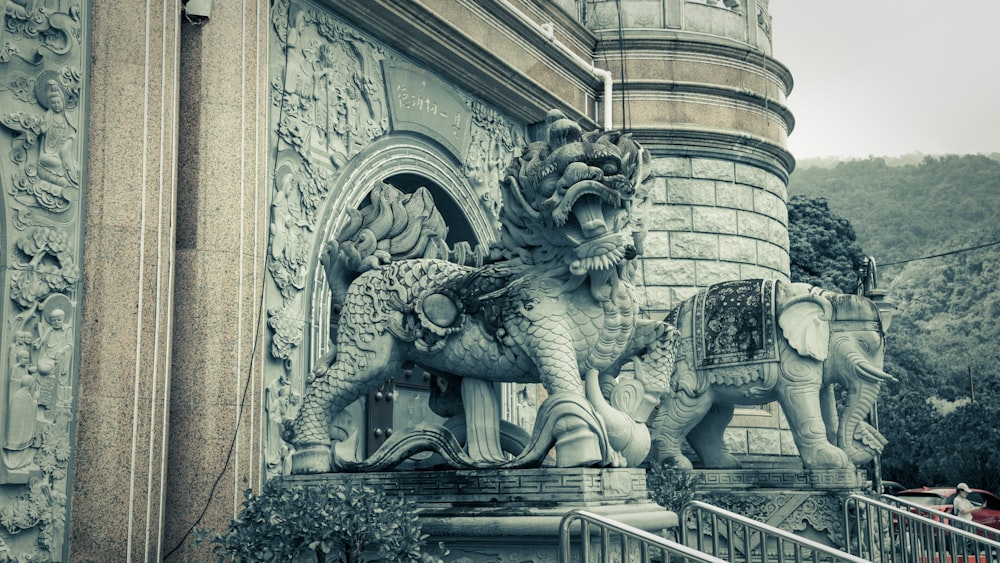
{"points": [[547, 31]]}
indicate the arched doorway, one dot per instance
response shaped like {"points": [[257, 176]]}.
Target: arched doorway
{"points": [[401, 403]]}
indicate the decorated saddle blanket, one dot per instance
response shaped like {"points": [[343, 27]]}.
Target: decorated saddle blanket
{"points": [[734, 323]]}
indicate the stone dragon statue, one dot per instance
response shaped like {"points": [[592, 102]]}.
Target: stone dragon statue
{"points": [[551, 302]]}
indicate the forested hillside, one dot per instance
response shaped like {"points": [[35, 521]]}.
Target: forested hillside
{"points": [[934, 228], [908, 211]]}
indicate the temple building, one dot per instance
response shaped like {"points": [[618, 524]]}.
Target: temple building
{"points": [[170, 171]]}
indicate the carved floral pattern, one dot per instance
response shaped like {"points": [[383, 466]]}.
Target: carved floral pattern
{"points": [[812, 513]]}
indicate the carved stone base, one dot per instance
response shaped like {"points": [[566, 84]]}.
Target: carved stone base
{"points": [[513, 515], [805, 502], [314, 459]]}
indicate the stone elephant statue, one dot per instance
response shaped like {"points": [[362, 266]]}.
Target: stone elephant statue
{"points": [[750, 342]]}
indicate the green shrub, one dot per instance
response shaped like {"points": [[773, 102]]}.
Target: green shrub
{"points": [[669, 486], [327, 523]]}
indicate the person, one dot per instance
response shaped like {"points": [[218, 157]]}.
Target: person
{"points": [[962, 506], [21, 412]]}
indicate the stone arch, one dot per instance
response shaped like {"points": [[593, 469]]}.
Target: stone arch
{"points": [[410, 156], [392, 155]]}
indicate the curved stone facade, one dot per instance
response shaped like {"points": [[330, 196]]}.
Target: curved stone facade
{"points": [[696, 84], [714, 220]]}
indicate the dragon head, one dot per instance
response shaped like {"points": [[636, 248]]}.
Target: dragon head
{"points": [[574, 193]]}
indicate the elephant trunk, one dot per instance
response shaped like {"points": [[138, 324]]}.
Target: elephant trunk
{"points": [[860, 440], [629, 438]]}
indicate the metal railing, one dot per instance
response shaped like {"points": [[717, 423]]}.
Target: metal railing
{"points": [[991, 534], [882, 532], [739, 539], [603, 539]]}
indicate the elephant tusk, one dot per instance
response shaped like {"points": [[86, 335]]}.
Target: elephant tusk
{"points": [[872, 373]]}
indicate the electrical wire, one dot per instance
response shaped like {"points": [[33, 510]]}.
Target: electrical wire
{"points": [[236, 433], [949, 253]]}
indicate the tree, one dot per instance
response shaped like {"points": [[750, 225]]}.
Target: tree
{"points": [[905, 415], [823, 247]]}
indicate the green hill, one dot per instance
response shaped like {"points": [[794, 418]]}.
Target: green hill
{"points": [[904, 211], [932, 227]]}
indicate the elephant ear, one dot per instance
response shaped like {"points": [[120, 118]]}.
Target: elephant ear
{"points": [[805, 323]]}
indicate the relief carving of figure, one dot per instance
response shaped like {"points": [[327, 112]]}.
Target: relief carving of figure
{"points": [[22, 341], [53, 169], [280, 402], [288, 217], [55, 351], [553, 304], [56, 159], [22, 407], [333, 91], [297, 86]]}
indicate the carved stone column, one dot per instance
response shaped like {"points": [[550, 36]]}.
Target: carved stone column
{"points": [[43, 184]]}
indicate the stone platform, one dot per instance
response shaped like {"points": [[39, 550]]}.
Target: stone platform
{"points": [[806, 502], [513, 515]]}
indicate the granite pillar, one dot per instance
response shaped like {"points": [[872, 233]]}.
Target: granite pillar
{"points": [[125, 332], [222, 230], [168, 399]]}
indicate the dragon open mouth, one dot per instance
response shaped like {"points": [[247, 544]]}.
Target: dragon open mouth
{"points": [[598, 245], [586, 199], [589, 213]]}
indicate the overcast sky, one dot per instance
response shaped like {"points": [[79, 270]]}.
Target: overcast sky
{"points": [[889, 77]]}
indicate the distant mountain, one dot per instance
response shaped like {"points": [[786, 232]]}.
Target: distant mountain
{"points": [[911, 158], [902, 211]]}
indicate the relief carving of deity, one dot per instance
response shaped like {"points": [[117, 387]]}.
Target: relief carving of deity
{"points": [[45, 150]]}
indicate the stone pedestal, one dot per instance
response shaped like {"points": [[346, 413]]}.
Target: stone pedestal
{"points": [[805, 502], [514, 515]]}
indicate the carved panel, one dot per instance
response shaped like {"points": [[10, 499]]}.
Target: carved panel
{"points": [[814, 515], [764, 16], [336, 94], [42, 89]]}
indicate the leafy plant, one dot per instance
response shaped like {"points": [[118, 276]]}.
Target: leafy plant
{"points": [[324, 522], [670, 486]]}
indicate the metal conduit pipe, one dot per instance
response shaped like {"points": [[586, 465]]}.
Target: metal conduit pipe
{"points": [[547, 30]]}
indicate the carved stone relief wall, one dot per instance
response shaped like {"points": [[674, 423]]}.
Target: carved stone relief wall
{"points": [[348, 112], [42, 90]]}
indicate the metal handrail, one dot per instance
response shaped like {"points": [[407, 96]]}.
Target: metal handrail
{"points": [[967, 525], [632, 544], [879, 531], [739, 539]]}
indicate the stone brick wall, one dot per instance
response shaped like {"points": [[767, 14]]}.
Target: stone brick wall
{"points": [[711, 221]]}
